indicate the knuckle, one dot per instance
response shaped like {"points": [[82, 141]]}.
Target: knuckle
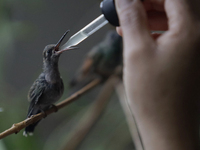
{"points": [[130, 15], [187, 31]]}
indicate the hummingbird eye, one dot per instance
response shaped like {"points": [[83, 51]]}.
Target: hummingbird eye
{"points": [[49, 52]]}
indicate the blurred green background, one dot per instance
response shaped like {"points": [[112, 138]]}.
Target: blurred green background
{"points": [[26, 27]]}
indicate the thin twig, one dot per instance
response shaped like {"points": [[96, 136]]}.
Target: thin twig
{"points": [[19, 126], [91, 116]]}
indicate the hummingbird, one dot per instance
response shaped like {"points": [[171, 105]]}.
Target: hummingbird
{"points": [[48, 87], [101, 60]]}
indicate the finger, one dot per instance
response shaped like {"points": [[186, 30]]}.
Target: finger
{"points": [[119, 31], [157, 20], [157, 5], [179, 14], [133, 21], [156, 35]]}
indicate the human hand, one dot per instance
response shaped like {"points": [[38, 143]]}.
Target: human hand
{"points": [[156, 16], [161, 76]]}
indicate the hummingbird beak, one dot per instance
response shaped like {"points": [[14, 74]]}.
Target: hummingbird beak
{"points": [[60, 41], [69, 48]]}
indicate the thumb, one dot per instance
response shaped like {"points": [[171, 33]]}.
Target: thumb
{"points": [[133, 22]]}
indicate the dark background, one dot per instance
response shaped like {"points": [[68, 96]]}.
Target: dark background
{"points": [[26, 27]]}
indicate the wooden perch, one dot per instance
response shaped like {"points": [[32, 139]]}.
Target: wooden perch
{"points": [[91, 116], [19, 126]]}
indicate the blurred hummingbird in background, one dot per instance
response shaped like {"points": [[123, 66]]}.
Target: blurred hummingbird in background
{"points": [[48, 87], [101, 61]]}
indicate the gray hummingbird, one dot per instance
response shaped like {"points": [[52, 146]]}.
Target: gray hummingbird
{"points": [[101, 60], [48, 87]]}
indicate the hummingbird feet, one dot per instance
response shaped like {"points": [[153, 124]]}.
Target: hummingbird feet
{"points": [[55, 107], [42, 111]]}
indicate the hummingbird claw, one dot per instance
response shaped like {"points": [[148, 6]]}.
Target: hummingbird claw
{"points": [[45, 115], [43, 112], [55, 107]]}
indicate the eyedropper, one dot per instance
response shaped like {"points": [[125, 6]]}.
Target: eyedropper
{"points": [[109, 16]]}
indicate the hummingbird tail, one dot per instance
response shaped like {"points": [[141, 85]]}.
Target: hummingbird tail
{"points": [[29, 129]]}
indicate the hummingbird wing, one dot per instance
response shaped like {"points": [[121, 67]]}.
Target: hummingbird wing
{"points": [[35, 93], [96, 54], [37, 89]]}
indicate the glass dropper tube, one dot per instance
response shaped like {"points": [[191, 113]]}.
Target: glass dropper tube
{"points": [[86, 32]]}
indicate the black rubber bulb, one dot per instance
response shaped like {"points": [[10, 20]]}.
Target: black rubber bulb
{"points": [[109, 11]]}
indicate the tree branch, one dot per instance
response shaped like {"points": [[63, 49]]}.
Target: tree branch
{"points": [[19, 126], [91, 116]]}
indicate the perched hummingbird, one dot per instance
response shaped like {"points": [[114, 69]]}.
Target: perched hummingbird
{"points": [[101, 61], [48, 87]]}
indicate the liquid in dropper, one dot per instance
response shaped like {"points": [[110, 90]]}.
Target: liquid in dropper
{"points": [[86, 32]]}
